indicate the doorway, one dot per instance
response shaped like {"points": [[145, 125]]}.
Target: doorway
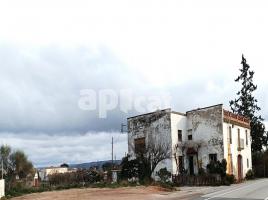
{"points": [[239, 167], [191, 165]]}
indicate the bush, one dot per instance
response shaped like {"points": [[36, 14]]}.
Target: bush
{"points": [[217, 167], [79, 177], [129, 168], [229, 179], [164, 175], [250, 175]]}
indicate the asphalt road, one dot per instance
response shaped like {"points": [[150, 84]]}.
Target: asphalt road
{"points": [[251, 190]]}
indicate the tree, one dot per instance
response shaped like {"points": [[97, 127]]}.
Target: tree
{"points": [[5, 152], [14, 163], [64, 165], [20, 164], [150, 156], [246, 105]]}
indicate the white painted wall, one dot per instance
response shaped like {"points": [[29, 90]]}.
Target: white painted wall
{"points": [[246, 152], [206, 126], [178, 122], [2, 188], [158, 130]]}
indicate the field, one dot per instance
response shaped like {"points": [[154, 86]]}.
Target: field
{"points": [[128, 193]]}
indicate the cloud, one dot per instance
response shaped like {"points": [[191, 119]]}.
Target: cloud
{"points": [[46, 150], [188, 50]]}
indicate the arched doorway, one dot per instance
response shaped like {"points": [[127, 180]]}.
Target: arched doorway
{"points": [[239, 167]]}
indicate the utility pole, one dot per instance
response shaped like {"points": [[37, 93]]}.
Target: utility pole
{"points": [[112, 151]]}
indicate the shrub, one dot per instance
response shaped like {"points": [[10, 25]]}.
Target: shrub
{"points": [[201, 171], [129, 168], [229, 179], [217, 167], [164, 175], [250, 175]]}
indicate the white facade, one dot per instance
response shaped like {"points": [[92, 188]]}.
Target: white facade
{"points": [[2, 188], [45, 172], [204, 136]]}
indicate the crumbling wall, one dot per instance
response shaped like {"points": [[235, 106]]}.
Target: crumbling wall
{"points": [[155, 127], [206, 126]]}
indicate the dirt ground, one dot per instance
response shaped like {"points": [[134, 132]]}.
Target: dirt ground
{"points": [[130, 193]]}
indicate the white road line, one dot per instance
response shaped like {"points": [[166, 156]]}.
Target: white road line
{"points": [[229, 189], [219, 195]]}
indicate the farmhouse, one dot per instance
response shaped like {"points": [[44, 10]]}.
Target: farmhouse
{"points": [[195, 138]]}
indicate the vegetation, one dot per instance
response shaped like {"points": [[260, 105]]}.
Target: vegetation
{"points": [[64, 165], [246, 105], [75, 178], [196, 146], [229, 179], [129, 168], [250, 175], [16, 166], [217, 167], [146, 159], [260, 164], [164, 175]]}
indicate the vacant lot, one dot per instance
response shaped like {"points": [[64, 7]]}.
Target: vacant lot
{"points": [[130, 193]]}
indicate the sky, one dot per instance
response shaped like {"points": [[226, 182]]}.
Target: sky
{"points": [[185, 54]]}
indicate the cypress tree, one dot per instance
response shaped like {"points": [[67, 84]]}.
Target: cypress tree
{"points": [[246, 105]]}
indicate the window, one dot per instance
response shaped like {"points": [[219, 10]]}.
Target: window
{"points": [[139, 145], [238, 131], [179, 135], [246, 137], [230, 134], [247, 163], [213, 157], [190, 137]]}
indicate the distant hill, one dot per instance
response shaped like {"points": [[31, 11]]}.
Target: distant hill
{"points": [[97, 164]]}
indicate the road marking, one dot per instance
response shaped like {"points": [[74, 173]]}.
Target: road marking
{"points": [[230, 189], [236, 190]]}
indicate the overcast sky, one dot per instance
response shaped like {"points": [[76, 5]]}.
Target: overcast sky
{"points": [[51, 50]]}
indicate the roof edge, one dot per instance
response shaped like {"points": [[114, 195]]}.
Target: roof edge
{"points": [[205, 108], [163, 110]]}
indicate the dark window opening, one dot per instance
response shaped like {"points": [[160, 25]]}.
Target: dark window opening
{"points": [[213, 157], [239, 141], [179, 135], [246, 137], [190, 137], [139, 145], [230, 134]]}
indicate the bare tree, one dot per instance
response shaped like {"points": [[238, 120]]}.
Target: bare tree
{"points": [[151, 155], [179, 147]]}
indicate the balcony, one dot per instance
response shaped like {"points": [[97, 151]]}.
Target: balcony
{"points": [[240, 145]]}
